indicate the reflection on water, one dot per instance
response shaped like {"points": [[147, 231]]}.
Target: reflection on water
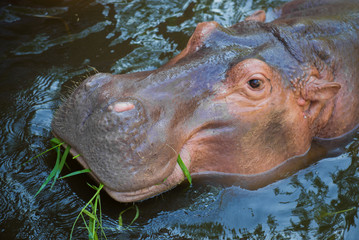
{"points": [[49, 46], [319, 202]]}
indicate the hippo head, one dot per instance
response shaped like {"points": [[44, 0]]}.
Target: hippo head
{"points": [[241, 99]]}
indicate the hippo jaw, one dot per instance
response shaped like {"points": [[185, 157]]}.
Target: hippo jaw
{"points": [[174, 178]]}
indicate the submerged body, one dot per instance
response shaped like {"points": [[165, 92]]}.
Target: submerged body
{"points": [[241, 100]]}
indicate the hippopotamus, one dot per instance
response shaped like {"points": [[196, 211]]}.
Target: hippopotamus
{"points": [[241, 100]]}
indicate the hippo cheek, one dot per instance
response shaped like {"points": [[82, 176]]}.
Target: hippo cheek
{"points": [[248, 147]]}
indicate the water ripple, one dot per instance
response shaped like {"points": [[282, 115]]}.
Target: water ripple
{"points": [[130, 36], [42, 42]]}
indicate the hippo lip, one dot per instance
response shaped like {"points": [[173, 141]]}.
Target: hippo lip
{"points": [[171, 181], [175, 178]]}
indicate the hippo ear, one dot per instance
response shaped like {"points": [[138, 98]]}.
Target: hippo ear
{"points": [[320, 90], [202, 32], [258, 16]]}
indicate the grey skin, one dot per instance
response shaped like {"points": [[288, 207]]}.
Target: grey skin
{"points": [[242, 99]]}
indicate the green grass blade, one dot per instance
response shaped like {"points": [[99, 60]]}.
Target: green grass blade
{"points": [[94, 220], [61, 165], [136, 216], [53, 172], [87, 227], [83, 218], [89, 214], [56, 141], [57, 164], [90, 201], [91, 228], [120, 221], [92, 186], [100, 207], [43, 153], [184, 169], [48, 179], [76, 173], [99, 221]]}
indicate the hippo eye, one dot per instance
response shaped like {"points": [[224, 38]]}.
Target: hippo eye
{"points": [[255, 83]]}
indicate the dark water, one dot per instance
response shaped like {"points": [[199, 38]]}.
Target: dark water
{"points": [[49, 46]]}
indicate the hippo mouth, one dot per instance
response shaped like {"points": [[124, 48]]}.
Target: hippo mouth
{"points": [[174, 177]]}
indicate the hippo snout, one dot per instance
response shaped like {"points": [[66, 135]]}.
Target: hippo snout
{"points": [[109, 128]]}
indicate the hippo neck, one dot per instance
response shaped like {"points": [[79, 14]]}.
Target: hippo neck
{"points": [[332, 45], [343, 41]]}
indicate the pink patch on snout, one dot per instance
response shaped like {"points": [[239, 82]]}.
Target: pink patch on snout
{"points": [[121, 107]]}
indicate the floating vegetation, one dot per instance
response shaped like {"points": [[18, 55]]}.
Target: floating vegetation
{"points": [[330, 214], [56, 18]]}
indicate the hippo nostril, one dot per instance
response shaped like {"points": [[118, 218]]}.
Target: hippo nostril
{"points": [[121, 107]]}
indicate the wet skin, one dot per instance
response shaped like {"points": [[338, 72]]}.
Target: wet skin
{"points": [[241, 100]]}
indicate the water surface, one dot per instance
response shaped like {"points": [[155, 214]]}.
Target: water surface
{"points": [[48, 47]]}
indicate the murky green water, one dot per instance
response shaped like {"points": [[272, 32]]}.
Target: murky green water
{"points": [[49, 46]]}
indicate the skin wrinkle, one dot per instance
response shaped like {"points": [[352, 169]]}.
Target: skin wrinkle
{"points": [[296, 48], [288, 44]]}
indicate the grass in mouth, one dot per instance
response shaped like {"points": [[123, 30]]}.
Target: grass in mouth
{"points": [[184, 169], [182, 166]]}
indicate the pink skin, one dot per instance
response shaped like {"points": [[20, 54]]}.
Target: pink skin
{"points": [[121, 107]]}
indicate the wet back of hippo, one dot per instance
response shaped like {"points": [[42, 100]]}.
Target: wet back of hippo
{"points": [[240, 100]]}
